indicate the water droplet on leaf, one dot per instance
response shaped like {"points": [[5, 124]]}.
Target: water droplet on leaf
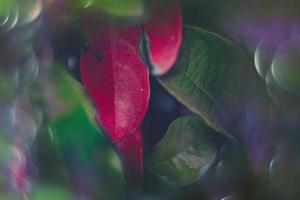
{"points": [[286, 66], [12, 17], [285, 175], [23, 123], [229, 198], [27, 71], [280, 96], [29, 11], [262, 59]]}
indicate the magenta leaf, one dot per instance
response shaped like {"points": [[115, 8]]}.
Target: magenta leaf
{"points": [[117, 80], [163, 32], [132, 157]]}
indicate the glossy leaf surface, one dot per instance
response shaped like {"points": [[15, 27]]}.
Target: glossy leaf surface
{"points": [[163, 32], [186, 152], [115, 76], [212, 77]]}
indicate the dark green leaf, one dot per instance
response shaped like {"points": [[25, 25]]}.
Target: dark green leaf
{"points": [[212, 77], [186, 152]]}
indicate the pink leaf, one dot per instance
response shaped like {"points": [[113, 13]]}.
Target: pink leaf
{"points": [[117, 80], [164, 35], [115, 76], [132, 157]]}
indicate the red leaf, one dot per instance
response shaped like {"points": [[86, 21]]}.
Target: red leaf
{"points": [[115, 76], [132, 157], [164, 35], [117, 80]]}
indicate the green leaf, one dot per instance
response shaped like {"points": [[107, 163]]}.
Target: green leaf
{"points": [[120, 8], [212, 77], [73, 125], [63, 95], [4, 6], [186, 152], [73, 130], [51, 193]]}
